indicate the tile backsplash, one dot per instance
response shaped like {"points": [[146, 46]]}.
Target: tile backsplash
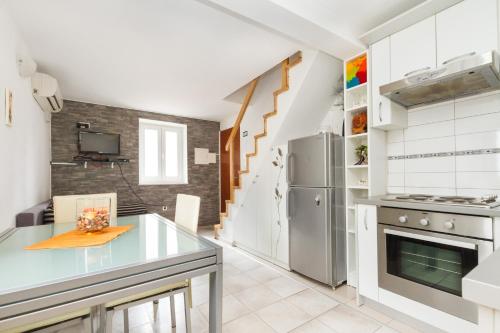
{"points": [[451, 148]]}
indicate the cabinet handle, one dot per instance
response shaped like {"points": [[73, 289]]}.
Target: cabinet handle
{"points": [[365, 219], [470, 54], [417, 71], [380, 111]]}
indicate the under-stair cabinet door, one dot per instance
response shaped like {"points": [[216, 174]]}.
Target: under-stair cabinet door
{"points": [[245, 222], [469, 26], [385, 113], [366, 217], [413, 49]]}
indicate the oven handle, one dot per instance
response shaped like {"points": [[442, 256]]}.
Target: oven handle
{"points": [[450, 242]]}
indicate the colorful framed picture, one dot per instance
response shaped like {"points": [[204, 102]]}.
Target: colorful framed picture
{"points": [[8, 108], [356, 71]]}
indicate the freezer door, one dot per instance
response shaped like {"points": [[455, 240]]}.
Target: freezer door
{"points": [[310, 232], [309, 161]]}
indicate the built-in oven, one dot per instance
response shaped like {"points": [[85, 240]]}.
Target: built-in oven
{"points": [[424, 255]]}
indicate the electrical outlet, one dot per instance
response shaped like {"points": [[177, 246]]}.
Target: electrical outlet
{"points": [[164, 208]]}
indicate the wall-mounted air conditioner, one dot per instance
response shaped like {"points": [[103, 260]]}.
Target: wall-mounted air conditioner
{"points": [[46, 92]]}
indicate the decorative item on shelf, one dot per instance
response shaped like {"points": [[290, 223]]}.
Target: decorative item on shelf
{"points": [[362, 153], [356, 71], [93, 214], [359, 123], [363, 182]]}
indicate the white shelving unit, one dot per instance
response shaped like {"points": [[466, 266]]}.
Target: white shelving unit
{"points": [[361, 180]]}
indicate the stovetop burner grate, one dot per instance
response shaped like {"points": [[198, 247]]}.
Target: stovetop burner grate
{"points": [[484, 202]]}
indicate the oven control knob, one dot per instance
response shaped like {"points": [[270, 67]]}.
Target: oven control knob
{"points": [[449, 225], [403, 219], [424, 222]]}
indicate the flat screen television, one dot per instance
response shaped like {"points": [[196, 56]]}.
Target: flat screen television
{"points": [[99, 143]]}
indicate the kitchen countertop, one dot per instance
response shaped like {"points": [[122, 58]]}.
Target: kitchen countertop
{"points": [[377, 201], [482, 284]]}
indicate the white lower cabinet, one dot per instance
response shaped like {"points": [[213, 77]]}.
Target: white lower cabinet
{"points": [[366, 217]]}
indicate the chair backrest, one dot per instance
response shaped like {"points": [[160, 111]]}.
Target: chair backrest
{"points": [[65, 206], [187, 210]]}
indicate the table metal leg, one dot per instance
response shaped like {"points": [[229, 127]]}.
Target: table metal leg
{"points": [[215, 309]]}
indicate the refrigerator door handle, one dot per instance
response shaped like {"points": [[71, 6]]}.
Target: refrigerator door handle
{"points": [[288, 168], [288, 198]]}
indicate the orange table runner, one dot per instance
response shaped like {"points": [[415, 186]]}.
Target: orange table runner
{"points": [[76, 238]]}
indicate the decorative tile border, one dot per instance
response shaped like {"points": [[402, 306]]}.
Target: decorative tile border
{"points": [[445, 154]]}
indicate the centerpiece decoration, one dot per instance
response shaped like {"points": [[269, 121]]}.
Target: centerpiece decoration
{"points": [[93, 219]]}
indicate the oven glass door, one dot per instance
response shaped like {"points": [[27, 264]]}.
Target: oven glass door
{"points": [[433, 264]]}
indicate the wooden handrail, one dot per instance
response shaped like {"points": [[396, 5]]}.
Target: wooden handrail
{"points": [[243, 109]]}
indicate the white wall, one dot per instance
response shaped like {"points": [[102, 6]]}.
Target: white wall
{"points": [[24, 147], [459, 132]]}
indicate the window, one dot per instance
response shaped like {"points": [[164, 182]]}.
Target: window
{"points": [[162, 153]]}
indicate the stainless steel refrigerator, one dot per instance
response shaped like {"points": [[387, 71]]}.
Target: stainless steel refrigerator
{"points": [[316, 207]]}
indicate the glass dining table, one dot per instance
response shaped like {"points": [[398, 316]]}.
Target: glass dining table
{"points": [[36, 285]]}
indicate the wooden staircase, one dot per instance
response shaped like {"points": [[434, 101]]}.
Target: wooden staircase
{"points": [[286, 65]]}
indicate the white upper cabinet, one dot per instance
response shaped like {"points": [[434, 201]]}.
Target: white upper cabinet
{"points": [[385, 113], [414, 49], [469, 26]]}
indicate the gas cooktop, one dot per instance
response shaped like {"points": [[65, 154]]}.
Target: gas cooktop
{"points": [[480, 202]]}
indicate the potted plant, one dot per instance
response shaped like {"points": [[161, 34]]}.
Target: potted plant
{"points": [[362, 153]]}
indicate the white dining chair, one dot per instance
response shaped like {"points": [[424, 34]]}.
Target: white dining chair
{"points": [[187, 209], [65, 206]]}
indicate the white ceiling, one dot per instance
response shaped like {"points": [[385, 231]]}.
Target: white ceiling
{"points": [[169, 56], [349, 18], [177, 57]]}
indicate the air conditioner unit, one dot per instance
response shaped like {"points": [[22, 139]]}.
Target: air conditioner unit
{"points": [[46, 92]]}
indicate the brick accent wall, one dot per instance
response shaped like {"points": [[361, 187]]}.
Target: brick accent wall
{"points": [[203, 180]]}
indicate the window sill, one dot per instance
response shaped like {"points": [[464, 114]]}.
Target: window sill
{"points": [[162, 183]]}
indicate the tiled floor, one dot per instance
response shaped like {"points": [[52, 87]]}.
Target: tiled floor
{"points": [[261, 298]]}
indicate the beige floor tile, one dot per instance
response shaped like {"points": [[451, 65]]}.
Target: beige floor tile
{"points": [[385, 329], [237, 283], [263, 274], [257, 297], [199, 280], [146, 328], [247, 324], [246, 264], [343, 294], [200, 294], [313, 326], [232, 308], [138, 316], [229, 270], [378, 316], [198, 321], [283, 316], [284, 286], [343, 319], [312, 302], [401, 327]]}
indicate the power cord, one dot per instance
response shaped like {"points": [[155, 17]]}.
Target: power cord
{"points": [[131, 188]]}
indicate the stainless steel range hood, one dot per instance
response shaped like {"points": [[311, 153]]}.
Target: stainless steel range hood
{"points": [[467, 75]]}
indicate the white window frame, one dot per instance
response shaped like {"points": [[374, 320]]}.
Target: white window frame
{"points": [[162, 127]]}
